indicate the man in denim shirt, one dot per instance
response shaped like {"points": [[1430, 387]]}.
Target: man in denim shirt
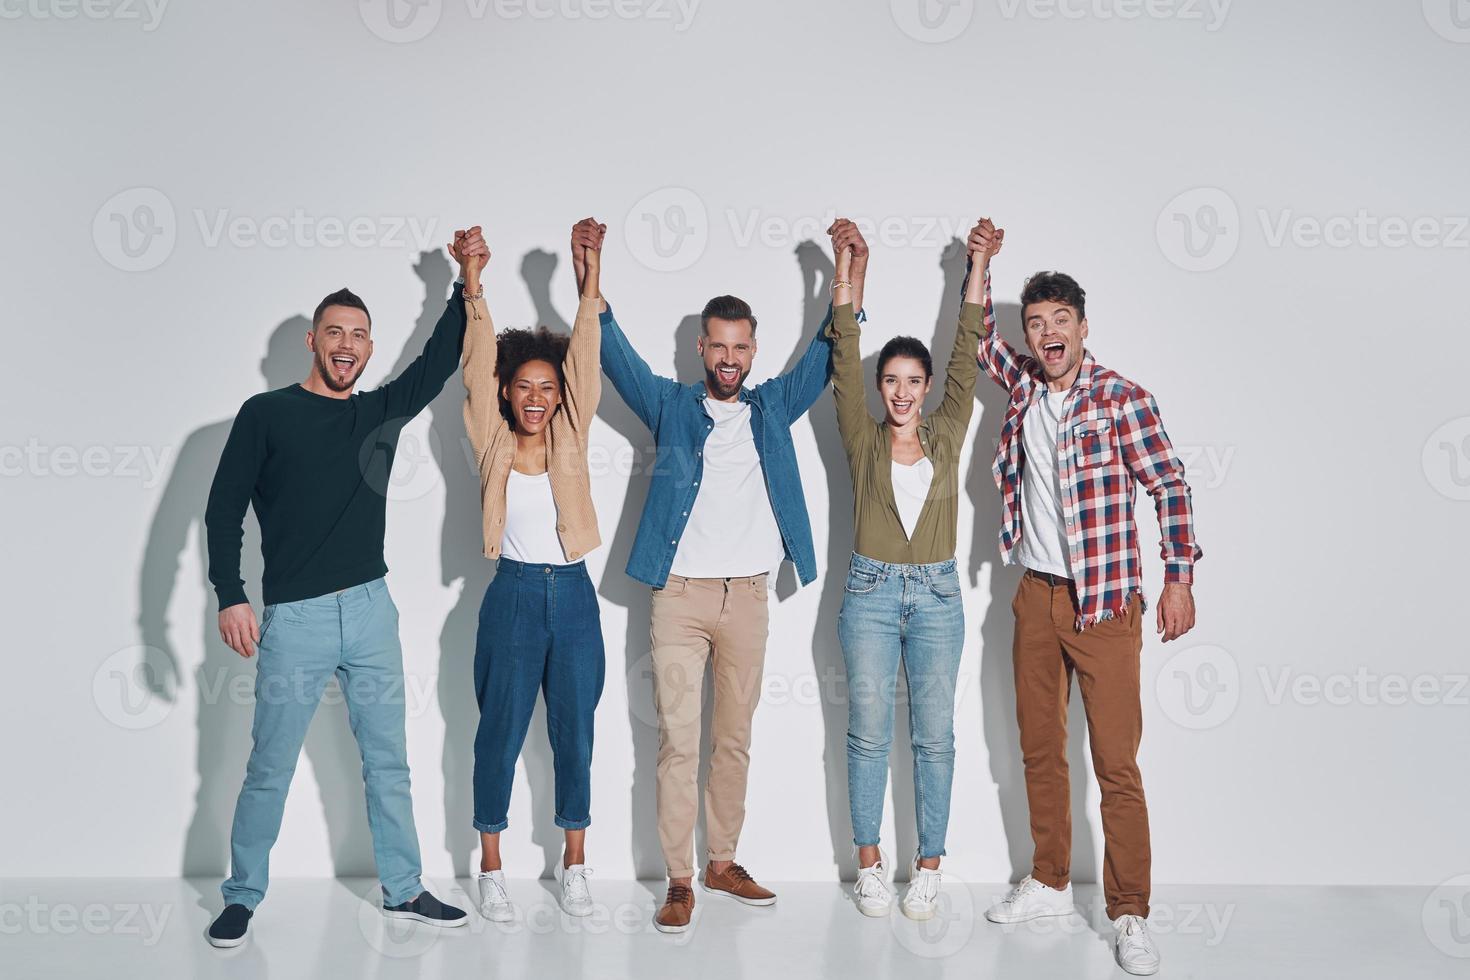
{"points": [[725, 507]]}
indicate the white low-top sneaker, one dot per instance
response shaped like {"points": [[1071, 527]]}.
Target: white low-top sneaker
{"points": [[871, 892], [921, 897], [1031, 900], [494, 900], [1134, 947], [575, 898]]}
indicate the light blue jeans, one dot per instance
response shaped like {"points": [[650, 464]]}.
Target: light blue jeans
{"points": [[354, 634], [909, 614]]}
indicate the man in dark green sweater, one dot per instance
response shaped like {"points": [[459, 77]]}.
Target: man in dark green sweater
{"points": [[314, 459]]}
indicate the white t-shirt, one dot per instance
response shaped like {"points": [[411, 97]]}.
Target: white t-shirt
{"points": [[1043, 520], [910, 490], [732, 530], [530, 521]]}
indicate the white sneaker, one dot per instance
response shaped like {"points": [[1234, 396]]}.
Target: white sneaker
{"points": [[494, 900], [575, 898], [871, 892], [1031, 900], [921, 897], [1134, 948]]}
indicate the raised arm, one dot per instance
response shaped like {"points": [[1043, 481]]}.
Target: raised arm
{"points": [[418, 384], [582, 368], [482, 400], [975, 313], [1000, 360], [1150, 458], [854, 423], [224, 516], [804, 383]]}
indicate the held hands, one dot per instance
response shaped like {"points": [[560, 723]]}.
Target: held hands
{"points": [[850, 251], [985, 241], [471, 252], [237, 627], [1176, 610], [587, 236]]}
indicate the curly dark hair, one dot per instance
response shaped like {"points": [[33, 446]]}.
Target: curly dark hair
{"points": [[514, 348], [1054, 287]]}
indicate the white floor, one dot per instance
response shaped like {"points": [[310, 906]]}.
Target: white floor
{"points": [[323, 928]]}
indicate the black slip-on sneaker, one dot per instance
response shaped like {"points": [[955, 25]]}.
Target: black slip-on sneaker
{"points": [[230, 928], [428, 910]]}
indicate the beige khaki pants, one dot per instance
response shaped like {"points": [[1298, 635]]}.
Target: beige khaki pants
{"points": [[721, 622]]}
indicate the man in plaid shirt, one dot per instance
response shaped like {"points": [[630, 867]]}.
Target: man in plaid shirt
{"points": [[1074, 439]]}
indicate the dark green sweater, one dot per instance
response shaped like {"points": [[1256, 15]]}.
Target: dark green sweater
{"points": [[316, 471]]}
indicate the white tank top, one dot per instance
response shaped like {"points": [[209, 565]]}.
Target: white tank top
{"points": [[530, 521]]}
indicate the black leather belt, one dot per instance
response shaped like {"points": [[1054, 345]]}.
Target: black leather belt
{"points": [[1049, 578]]}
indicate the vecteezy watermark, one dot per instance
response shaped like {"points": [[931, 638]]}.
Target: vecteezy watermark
{"points": [[137, 229], [1363, 229], [1199, 230], [1208, 920], [122, 691], [1206, 467], [1362, 686], [948, 930], [1199, 687], [932, 21], [1450, 19], [405, 21], [147, 464], [889, 231], [1446, 459], [414, 452], [148, 14], [141, 920], [1446, 917], [401, 939], [1210, 13], [668, 229]]}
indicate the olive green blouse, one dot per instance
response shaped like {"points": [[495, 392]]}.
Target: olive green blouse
{"points": [[880, 534]]}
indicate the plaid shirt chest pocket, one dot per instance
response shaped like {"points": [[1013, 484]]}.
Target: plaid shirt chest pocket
{"points": [[1092, 441]]}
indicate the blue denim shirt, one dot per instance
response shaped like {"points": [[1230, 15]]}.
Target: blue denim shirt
{"points": [[676, 416]]}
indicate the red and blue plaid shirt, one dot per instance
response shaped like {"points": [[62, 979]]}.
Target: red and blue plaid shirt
{"points": [[1111, 435]]}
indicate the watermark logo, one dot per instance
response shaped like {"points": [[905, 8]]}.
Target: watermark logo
{"points": [[414, 451], [400, 21], [122, 692], [1199, 687], [135, 230], [947, 931], [1446, 917], [1199, 230], [1450, 19], [667, 230], [148, 13], [399, 938], [1210, 13], [1446, 459], [932, 21]]}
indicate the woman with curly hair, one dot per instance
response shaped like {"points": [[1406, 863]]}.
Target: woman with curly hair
{"points": [[531, 395]]}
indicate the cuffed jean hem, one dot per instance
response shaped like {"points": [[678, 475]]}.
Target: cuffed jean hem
{"points": [[565, 824], [491, 828], [924, 857], [871, 843], [408, 896], [249, 903]]}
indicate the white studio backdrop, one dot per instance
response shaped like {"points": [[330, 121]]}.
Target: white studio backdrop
{"points": [[1265, 202]]}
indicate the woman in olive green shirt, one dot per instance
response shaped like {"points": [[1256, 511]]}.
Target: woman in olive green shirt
{"points": [[902, 601]]}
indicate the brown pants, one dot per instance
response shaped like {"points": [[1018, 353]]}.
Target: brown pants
{"points": [[1105, 657], [697, 621]]}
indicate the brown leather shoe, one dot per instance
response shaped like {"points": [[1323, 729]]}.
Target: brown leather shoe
{"points": [[677, 911], [736, 882]]}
